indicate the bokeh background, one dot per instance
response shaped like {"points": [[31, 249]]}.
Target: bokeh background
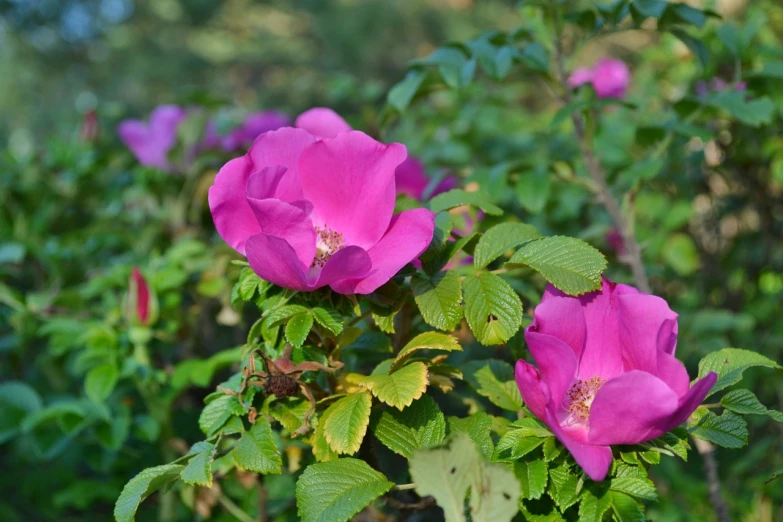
{"points": [[77, 215]]}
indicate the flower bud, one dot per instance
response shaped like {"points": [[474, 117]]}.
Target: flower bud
{"points": [[141, 305]]}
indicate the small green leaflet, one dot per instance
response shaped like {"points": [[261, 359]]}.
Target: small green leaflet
{"points": [[501, 238], [426, 341], [257, 451], [439, 299], [345, 422], [729, 364], [728, 430], [335, 491], [140, 487], [570, 264], [399, 388], [640, 488], [198, 470], [297, 328], [745, 402], [216, 413], [420, 425], [494, 380], [492, 308], [458, 197], [532, 477], [100, 382], [478, 427]]}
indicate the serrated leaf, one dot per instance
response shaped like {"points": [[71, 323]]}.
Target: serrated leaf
{"points": [[625, 508], [401, 95], [17, 401], [321, 449], [743, 401], [592, 507], [551, 449], [447, 474], [494, 380], [532, 476], [420, 425], [515, 444], [248, 284], [729, 364], [279, 315], [346, 422], [198, 470], [140, 487], [100, 382], [216, 414], [570, 264], [675, 441], [492, 308], [329, 318], [439, 299], [335, 491], [477, 427], [563, 487], [289, 412], [640, 488], [401, 387], [257, 451], [728, 430], [426, 341], [501, 238], [297, 328], [458, 197]]}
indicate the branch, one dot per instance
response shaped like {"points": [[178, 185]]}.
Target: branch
{"points": [[706, 450]]}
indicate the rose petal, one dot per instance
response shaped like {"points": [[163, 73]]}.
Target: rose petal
{"points": [[595, 460], [641, 319], [233, 217], [534, 391], [410, 233], [692, 400], [632, 408], [348, 263], [281, 147], [555, 360], [276, 261], [322, 122], [350, 181], [287, 222], [562, 317]]}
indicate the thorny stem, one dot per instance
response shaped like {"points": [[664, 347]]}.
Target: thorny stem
{"points": [[633, 257], [633, 254]]}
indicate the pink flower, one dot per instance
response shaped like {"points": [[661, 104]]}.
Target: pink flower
{"points": [[138, 304], [610, 78], [606, 372], [151, 142], [310, 212], [243, 136], [410, 176]]}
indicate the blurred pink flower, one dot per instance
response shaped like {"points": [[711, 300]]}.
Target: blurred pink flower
{"points": [[410, 176], [310, 212], [606, 372], [243, 136], [610, 78], [151, 142]]}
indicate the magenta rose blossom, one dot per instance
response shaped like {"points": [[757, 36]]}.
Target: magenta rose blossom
{"points": [[410, 176], [310, 212], [610, 78], [606, 372], [151, 142]]}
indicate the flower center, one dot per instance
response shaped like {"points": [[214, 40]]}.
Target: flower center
{"points": [[327, 243], [581, 396]]}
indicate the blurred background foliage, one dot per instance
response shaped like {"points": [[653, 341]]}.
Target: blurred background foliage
{"points": [[77, 214]]}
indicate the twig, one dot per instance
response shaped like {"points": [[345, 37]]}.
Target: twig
{"points": [[707, 452], [235, 510], [633, 255]]}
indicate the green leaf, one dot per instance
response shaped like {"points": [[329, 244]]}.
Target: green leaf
{"points": [[494, 380], [345, 422], [439, 299], [420, 425], [401, 387], [640, 488], [447, 474], [774, 476], [321, 449], [515, 444], [426, 341], [570, 264], [282, 314], [535, 56], [759, 111], [100, 382], [731, 38], [198, 470], [625, 508], [289, 412], [458, 197], [675, 441], [728, 430], [680, 253], [492, 308], [498, 500], [17, 401], [552, 448], [140, 487], [248, 284], [401, 95], [743, 401], [477, 427], [563, 487], [454, 67], [592, 507], [257, 451], [501, 238], [329, 318], [216, 414], [533, 189], [532, 476], [729, 364], [298, 327], [336, 491], [695, 45]]}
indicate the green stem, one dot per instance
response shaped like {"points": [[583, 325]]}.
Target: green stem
{"points": [[235, 510]]}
